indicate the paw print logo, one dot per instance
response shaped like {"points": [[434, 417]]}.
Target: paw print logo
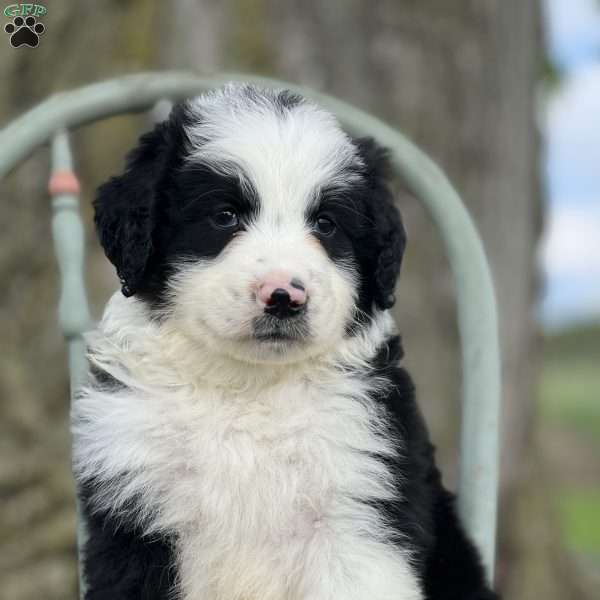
{"points": [[24, 32]]}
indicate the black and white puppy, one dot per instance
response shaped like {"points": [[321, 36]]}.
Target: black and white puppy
{"points": [[247, 433]]}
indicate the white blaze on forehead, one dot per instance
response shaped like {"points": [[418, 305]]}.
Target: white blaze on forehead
{"points": [[287, 152]]}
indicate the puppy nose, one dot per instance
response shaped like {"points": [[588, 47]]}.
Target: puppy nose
{"points": [[282, 297]]}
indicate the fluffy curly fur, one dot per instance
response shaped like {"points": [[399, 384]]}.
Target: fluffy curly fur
{"points": [[225, 450]]}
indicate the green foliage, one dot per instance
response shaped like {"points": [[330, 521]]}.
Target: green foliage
{"points": [[550, 74]]}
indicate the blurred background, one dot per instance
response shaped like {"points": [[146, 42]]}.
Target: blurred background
{"points": [[504, 94]]}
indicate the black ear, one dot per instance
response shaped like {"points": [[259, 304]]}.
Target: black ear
{"points": [[125, 206], [389, 233]]}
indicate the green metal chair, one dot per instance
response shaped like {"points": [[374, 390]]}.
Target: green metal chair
{"points": [[477, 318]]}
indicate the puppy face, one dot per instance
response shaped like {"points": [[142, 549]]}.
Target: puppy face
{"points": [[254, 224]]}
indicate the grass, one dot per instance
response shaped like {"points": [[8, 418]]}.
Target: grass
{"points": [[580, 513], [570, 402], [570, 395], [578, 342]]}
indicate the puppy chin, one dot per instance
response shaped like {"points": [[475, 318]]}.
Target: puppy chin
{"points": [[265, 342]]}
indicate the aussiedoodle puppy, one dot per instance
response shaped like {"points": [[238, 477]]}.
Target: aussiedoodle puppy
{"points": [[246, 432]]}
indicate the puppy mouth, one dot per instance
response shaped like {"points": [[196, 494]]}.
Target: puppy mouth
{"points": [[267, 328]]}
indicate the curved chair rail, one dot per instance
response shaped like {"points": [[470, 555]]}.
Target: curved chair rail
{"points": [[476, 303]]}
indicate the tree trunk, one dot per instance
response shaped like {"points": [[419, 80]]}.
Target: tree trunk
{"points": [[460, 79]]}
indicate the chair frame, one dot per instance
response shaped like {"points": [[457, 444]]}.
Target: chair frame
{"points": [[476, 304]]}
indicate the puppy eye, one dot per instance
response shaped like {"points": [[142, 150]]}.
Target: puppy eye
{"points": [[325, 225], [226, 219]]}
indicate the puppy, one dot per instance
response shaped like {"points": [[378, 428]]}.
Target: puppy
{"points": [[246, 432]]}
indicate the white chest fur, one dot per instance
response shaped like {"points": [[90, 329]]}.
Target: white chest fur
{"points": [[265, 494], [266, 491]]}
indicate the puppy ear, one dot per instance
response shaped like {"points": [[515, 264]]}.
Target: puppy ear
{"points": [[125, 208], [389, 233]]}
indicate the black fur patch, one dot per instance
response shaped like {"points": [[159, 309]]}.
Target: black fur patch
{"points": [[425, 518], [121, 564], [369, 233], [158, 212], [126, 206], [381, 259]]}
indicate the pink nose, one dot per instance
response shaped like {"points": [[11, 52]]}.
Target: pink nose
{"points": [[281, 295]]}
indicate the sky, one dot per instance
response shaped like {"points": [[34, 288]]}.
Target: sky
{"points": [[570, 249]]}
